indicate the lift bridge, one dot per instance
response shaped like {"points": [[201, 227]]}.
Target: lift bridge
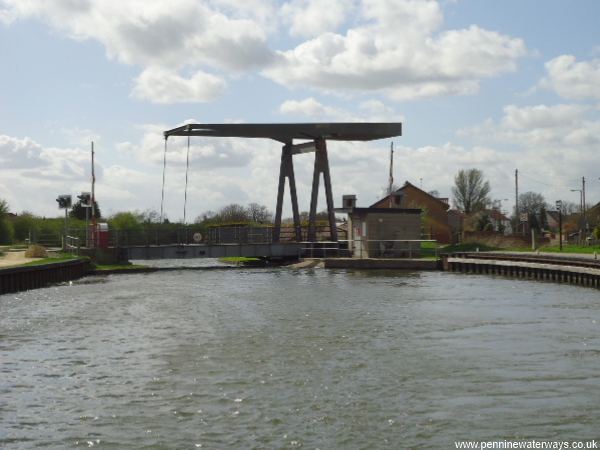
{"points": [[297, 138]]}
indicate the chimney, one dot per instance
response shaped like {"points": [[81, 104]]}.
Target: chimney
{"points": [[349, 201]]}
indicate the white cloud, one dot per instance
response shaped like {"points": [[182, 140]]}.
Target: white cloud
{"points": [[552, 146], [573, 80], [370, 111], [541, 127], [187, 35], [310, 107], [310, 18], [33, 174], [395, 47], [163, 86], [399, 53]]}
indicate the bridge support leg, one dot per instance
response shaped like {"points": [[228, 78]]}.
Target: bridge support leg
{"points": [[286, 170], [321, 166]]}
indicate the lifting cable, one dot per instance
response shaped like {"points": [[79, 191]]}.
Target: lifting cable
{"points": [[162, 197], [187, 166]]}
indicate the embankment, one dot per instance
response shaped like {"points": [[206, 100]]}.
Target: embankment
{"points": [[23, 278]]}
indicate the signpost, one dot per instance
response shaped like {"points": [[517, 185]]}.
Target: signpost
{"points": [[64, 202], [85, 200]]}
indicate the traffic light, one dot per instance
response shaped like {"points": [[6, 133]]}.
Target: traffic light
{"points": [[64, 201], [85, 199]]}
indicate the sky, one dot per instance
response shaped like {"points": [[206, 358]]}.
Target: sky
{"points": [[482, 84]]}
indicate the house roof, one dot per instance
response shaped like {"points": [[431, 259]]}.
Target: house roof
{"points": [[408, 184], [496, 214], [385, 210]]}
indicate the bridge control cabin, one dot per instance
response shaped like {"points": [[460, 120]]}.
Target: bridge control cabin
{"points": [[382, 232]]}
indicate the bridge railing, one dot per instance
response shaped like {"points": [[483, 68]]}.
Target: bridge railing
{"points": [[243, 234], [176, 234]]}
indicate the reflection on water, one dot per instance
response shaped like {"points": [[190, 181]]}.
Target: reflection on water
{"points": [[283, 358], [188, 262]]}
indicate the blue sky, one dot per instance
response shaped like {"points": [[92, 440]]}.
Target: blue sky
{"points": [[486, 84]]}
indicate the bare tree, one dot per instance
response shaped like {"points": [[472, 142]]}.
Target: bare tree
{"points": [[232, 213], [471, 191], [534, 205], [259, 213]]}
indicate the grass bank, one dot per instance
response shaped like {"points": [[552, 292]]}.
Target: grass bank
{"points": [[62, 257]]}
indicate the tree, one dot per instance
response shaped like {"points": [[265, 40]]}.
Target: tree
{"points": [[233, 213], [26, 225], [259, 213], [125, 221], [148, 216], [3, 207], [236, 214], [568, 208], [534, 205], [78, 211], [6, 226], [471, 191]]}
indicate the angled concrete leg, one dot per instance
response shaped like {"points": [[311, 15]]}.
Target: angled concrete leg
{"points": [[328, 192], [321, 166], [286, 170]]}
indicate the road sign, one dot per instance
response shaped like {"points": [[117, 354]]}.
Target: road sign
{"points": [[523, 217], [64, 201]]}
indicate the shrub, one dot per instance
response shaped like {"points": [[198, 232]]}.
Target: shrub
{"points": [[36, 251]]}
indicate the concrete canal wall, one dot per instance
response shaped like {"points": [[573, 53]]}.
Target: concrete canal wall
{"points": [[380, 263], [563, 269], [23, 278]]}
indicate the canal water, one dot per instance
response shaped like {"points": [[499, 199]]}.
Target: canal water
{"points": [[290, 359]]}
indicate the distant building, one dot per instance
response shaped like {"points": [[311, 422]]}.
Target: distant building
{"points": [[378, 232], [552, 220], [435, 210], [499, 221]]}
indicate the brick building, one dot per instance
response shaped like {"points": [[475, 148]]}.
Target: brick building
{"points": [[435, 210]]}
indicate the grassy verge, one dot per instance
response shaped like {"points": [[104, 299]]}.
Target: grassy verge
{"points": [[55, 259], [467, 247], [430, 250], [238, 259]]}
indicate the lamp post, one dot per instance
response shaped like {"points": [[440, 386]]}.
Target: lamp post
{"points": [[559, 208]]}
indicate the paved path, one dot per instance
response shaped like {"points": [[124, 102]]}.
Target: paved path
{"points": [[15, 259]]}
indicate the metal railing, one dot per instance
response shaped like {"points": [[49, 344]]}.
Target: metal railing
{"points": [[72, 244], [323, 249], [393, 248]]}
